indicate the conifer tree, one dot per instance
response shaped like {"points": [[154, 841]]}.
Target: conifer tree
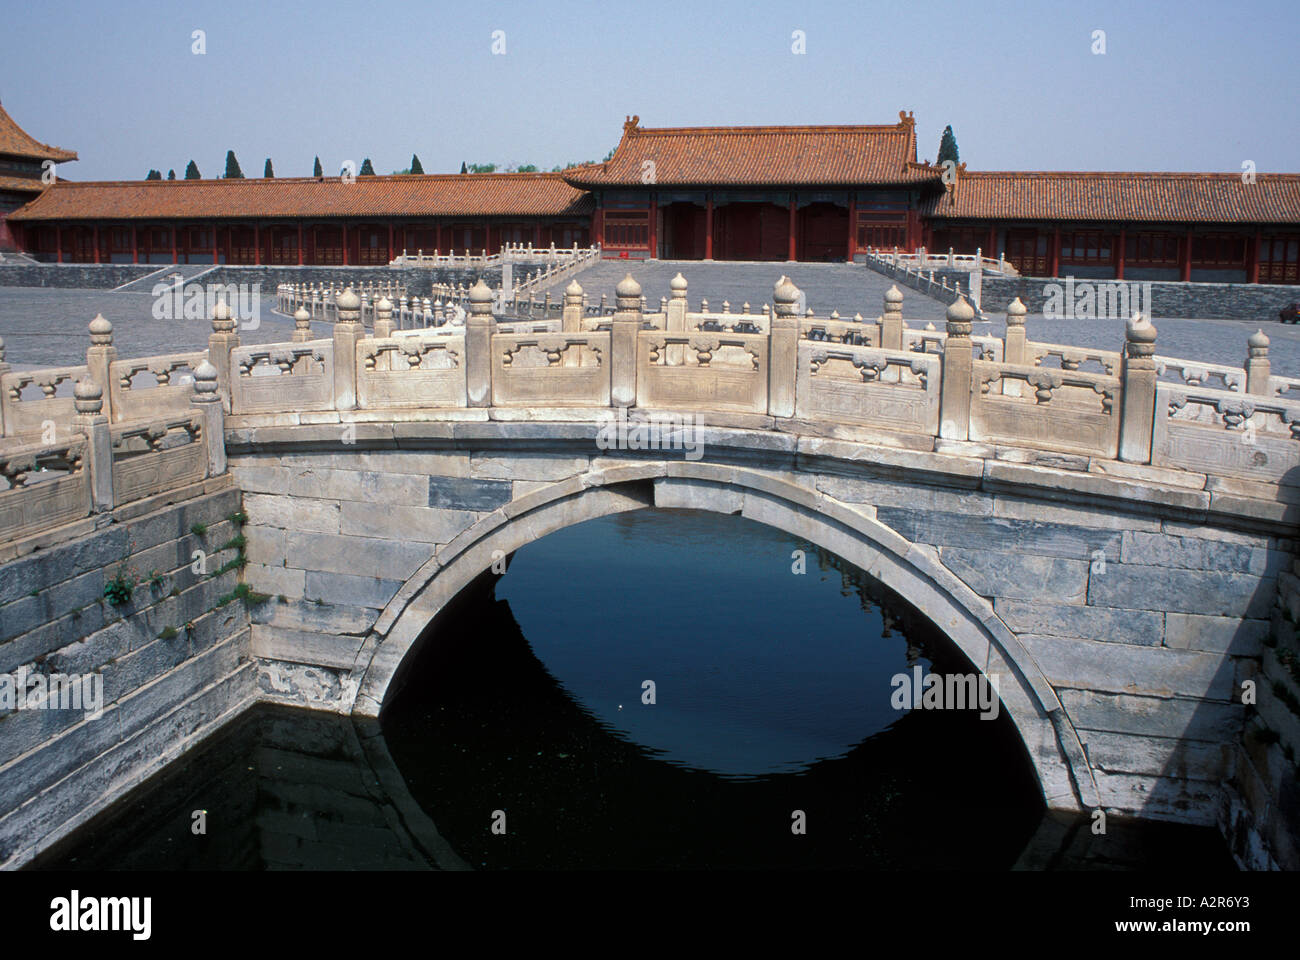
{"points": [[232, 167], [463, 168], [367, 170], [415, 164], [948, 146], [171, 174], [153, 175], [316, 171], [192, 172], [267, 172]]}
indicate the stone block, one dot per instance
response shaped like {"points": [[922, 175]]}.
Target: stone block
{"points": [[347, 590], [310, 648], [292, 513], [1210, 592], [1192, 553], [1030, 537], [1241, 638], [1130, 668], [456, 493], [1106, 624], [326, 552], [403, 523], [1017, 576]]}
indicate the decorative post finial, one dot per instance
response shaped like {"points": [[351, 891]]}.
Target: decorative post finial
{"points": [[348, 306], [1016, 313], [960, 315], [627, 295], [678, 287], [205, 383], [785, 298], [88, 397], [101, 331]]}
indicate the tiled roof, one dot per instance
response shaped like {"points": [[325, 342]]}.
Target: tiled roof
{"points": [[756, 156], [15, 141], [1149, 197], [21, 185], [434, 195]]}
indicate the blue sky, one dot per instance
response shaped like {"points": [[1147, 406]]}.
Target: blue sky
{"points": [[1181, 86]]}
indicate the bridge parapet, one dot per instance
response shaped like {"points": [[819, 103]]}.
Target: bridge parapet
{"points": [[1128, 412]]}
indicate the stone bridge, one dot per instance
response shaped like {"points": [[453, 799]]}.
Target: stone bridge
{"points": [[1107, 534]]}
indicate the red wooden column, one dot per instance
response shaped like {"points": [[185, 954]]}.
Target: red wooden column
{"points": [[215, 228], [793, 215], [1054, 268], [1120, 248], [708, 227], [345, 243], [1185, 258], [58, 244], [598, 229], [257, 244], [437, 239], [654, 224], [1253, 275], [853, 226], [135, 244], [991, 251], [390, 241], [95, 239], [172, 230]]}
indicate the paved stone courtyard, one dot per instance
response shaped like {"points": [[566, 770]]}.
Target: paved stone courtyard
{"points": [[45, 326]]}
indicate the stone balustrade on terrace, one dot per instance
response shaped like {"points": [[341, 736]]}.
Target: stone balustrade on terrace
{"points": [[76, 442]]}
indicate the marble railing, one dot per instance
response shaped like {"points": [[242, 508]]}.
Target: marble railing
{"points": [[879, 381]]}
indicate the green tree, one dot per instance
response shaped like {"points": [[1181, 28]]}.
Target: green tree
{"points": [[192, 171], [171, 174], [463, 168], [232, 167], [481, 168], [316, 171], [947, 146], [267, 172], [153, 175], [526, 168], [367, 170], [416, 166]]}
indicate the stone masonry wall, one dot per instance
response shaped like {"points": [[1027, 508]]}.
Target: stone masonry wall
{"points": [[1255, 303], [85, 276], [1260, 815], [174, 661]]}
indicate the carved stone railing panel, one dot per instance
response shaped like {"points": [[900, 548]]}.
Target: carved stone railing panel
{"points": [[1052, 356], [866, 334], [32, 397], [153, 386], [42, 486], [282, 377], [724, 322], [411, 371], [1073, 412], [152, 458], [1214, 376], [1227, 434], [563, 369], [891, 390], [931, 341], [715, 371]]}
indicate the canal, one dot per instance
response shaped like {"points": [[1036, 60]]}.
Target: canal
{"points": [[655, 690]]}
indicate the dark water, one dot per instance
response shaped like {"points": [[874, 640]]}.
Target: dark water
{"points": [[525, 712]]}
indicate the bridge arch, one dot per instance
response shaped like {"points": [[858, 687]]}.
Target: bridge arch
{"points": [[914, 571]]}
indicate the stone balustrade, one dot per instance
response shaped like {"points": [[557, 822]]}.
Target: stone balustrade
{"points": [[1127, 412]]}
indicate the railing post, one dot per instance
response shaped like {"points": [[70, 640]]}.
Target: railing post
{"points": [[1258, 368], [955, 380], [1015, 341], [624, 331], [783, 349], [347, 332], [221, 341], [479, 327], [571, 321], [891, 321], [208, 401], [1138, 398], [93, 422], [99, 356], [301, 325]]}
